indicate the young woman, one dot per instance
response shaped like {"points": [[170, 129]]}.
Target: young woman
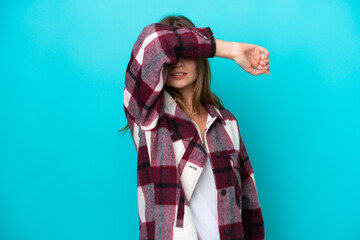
{"points": [[195, 180]]}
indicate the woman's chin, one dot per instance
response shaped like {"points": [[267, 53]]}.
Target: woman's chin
{"points": [[176, 85]]}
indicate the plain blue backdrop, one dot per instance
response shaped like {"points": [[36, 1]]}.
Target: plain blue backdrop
{"points": [[66, 173]]}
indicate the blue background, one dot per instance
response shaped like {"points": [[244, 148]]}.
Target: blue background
{"points": [[65, 172]]}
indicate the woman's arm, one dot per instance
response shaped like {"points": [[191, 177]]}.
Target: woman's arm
{"points": [[157, 46], [247, 56], [251, 214]]}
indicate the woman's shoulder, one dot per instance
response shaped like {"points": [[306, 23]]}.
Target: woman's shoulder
{"points": [[231, 124], [227, 114]]}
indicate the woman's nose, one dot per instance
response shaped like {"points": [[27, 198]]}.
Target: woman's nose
{"points": [[179, 63]]}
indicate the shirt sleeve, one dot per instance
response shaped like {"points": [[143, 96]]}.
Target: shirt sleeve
{"points": [[252, 218], [157, 46]]}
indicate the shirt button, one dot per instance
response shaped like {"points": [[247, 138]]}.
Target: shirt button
{"points": [[171, 132], [223, 192], [227, 231], [217, 153]]}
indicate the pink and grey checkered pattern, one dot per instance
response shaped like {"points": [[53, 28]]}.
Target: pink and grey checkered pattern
{"points": [[171, 154]]}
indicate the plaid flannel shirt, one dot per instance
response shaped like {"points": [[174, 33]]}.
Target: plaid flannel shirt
{"points": [[170, 153]]}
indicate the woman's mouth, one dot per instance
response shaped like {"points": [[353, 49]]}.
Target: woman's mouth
{"points": [[178, 75]]}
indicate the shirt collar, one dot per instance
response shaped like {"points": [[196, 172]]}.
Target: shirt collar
{"points": [[174, 110]]}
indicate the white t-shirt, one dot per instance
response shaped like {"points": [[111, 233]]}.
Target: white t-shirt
{"points": [[203, 205]]}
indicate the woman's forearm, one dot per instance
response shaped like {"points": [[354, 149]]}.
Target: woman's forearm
{"points": [[225, 49]]}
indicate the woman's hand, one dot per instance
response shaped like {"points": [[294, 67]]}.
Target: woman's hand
{"points": [[252, 58]]}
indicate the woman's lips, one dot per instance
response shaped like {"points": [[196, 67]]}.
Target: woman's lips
{"points": [[178, 76]]}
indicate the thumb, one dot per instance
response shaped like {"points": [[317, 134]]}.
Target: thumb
{"points": [[255, 72]]}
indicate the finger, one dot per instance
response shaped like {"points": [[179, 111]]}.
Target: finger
{"points": [[255, 72], [262, 56], [252, 71], [264, 59], [265, 51], [268, 69], [261, 70], [257, 55], [264, 62], [267, 66], [261, 66]]}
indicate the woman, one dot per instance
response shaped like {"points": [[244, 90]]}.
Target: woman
{"points": [[195, 180]]}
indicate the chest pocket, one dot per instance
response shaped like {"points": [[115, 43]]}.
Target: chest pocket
{"points": [[181, 134]]}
